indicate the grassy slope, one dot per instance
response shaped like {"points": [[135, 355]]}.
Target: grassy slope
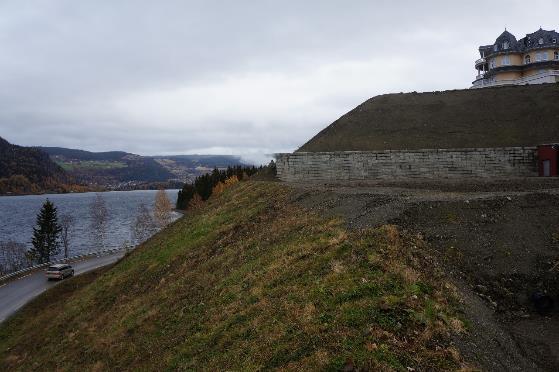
{"points": [[249, 281], [491, 117]]}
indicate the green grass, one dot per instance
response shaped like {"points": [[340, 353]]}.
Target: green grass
{"points": [[248, 282]]}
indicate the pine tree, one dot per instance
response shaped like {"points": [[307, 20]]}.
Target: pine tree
{"points": [[46, 242]]}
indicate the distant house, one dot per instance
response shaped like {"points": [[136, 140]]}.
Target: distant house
{"points": [[533, 59]]}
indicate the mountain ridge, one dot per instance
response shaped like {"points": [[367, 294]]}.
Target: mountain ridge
{"points": [[120, 167], [28, 170]]}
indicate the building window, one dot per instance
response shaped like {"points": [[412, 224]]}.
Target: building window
{"points": [[527, 59], [492, 63], [556, 56], [506, 45], [495, 47], [541, 56], [506, 61], [554, 41], [540, 41]]}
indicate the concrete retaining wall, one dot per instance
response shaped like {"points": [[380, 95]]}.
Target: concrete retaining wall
{"points": [[505, 162]]}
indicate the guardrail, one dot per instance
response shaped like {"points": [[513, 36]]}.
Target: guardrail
{"points": [[63, 260]]}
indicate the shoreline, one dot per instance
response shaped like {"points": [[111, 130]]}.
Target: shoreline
{"points": [[78, 192]]}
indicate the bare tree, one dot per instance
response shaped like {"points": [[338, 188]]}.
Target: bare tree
{"points": [[144, 226], [162, 209], [99, 219], [13, 257], [67, 224]]}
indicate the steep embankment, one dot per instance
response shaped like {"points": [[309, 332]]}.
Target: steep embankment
{"points": [[249, 281], [491, 117], [28, 170]]}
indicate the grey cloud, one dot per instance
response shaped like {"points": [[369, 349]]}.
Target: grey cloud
{"points": [[242, 76]]}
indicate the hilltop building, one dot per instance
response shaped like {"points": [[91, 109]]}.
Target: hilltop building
{"points": [[533, 59]]}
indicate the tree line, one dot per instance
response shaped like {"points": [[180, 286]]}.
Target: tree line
{"points": [[203, 186]]}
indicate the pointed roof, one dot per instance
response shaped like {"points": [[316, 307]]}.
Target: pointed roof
{"points": [[507, 37]]}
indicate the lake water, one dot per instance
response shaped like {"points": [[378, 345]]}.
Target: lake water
{"points": [[18, 216]]}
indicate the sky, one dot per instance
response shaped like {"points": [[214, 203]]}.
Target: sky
{"points": [[249, 78]]}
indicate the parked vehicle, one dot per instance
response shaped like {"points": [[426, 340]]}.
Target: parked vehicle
{"points": [[59, 271]]}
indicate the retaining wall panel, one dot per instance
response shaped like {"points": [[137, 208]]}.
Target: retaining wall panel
{"points": [[392, 164]]}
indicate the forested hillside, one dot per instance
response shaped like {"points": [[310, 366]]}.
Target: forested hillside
{"points": [[28, 170]]}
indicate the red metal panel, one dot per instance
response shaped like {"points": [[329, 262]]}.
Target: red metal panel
{"points": [[547, 160]]}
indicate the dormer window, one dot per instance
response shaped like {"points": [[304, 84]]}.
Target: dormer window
{"points": [[540, 41], [506, 45], [554, 41], [527, 59], [495, 47]]}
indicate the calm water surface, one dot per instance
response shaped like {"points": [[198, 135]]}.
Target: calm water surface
{"points": [[18, 216]]}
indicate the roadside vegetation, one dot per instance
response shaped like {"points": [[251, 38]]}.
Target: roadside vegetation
{"points": [[53, 235], [247, 281]]}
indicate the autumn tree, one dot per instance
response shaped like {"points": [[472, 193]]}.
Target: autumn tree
{"points": [[13, 257], [196, 202], [99, 218], [46, 235], [67, 224], [162, 209], [144, 226]]}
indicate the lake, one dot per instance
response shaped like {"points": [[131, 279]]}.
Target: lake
{"points": [[18, 216]]}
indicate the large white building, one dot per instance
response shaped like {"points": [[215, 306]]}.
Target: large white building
{"points": [[533, 59]]}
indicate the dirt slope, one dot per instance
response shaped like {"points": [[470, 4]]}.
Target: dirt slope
{"points": [[499, 242], [491, 117]]}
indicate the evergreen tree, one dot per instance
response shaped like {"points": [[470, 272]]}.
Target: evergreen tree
{"points": [[46, 234], [203, 185]]}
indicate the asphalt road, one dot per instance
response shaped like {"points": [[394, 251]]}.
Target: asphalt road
{"points": [[17, 293]]}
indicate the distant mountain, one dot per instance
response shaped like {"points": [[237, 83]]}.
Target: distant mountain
{"points": [[84, 155], [108, 168], [28, 170], [114, 169], [187, 167]]}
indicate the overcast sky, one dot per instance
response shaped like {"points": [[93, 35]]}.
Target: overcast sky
{"points": [[230, 77]]}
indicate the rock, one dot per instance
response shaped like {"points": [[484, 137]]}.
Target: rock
{"points": [[481, 288]]}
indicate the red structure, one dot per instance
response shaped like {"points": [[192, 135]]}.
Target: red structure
{"points": [[548, 156]]}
